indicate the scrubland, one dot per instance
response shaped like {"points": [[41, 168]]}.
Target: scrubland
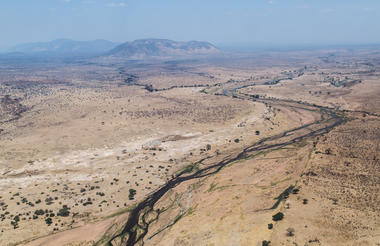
{"points": [[232, 142]]}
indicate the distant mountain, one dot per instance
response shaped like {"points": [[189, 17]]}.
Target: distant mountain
{"points": [[65, 46], [145, 48]]}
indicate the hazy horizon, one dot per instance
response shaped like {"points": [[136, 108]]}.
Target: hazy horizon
{"points": [[243, 23]]}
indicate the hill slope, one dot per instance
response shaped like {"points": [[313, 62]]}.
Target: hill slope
{"points": [[162, 47]]}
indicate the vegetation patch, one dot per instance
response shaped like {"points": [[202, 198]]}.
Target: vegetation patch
{"points": [[284, 195]]}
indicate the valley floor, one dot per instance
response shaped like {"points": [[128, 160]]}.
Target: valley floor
{"points": [[207, 154]]}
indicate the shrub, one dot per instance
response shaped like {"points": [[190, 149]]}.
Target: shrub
{"points": [[48, 221], [87, 203], [17, 218], [270, 226], [132, 193], [266, 243], [14, 224], [236, 140], [100, 193], [208, 146], [278, 216], [64, 211], [39, 212], [295, 191], [49, 201]]}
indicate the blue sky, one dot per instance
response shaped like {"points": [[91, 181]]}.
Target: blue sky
{"points": [[223, 22]]}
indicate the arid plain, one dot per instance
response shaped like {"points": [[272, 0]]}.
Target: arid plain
{"points": [[271, 148]]}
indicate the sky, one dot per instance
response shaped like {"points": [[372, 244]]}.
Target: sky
{"points": [[222, 22]]}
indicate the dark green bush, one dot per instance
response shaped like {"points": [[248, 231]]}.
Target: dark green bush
{"points": [[266, 243], [132, 193], [64, 211], [48, 221], [278, 216], [39, 212]]}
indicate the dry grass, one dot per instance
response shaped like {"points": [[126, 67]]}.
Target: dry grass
{"points": [[81, 136]]}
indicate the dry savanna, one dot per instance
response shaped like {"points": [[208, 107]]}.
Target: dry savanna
{"points": [[269, 148]]}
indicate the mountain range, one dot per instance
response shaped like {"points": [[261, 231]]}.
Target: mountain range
{"points": [[65, 46]]}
